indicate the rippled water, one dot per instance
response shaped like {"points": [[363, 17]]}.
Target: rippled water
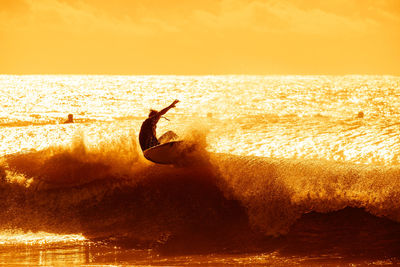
{"points": [[277, 117]]}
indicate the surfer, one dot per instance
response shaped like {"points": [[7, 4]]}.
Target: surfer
{"points": [[147, 135], [70, 119]]}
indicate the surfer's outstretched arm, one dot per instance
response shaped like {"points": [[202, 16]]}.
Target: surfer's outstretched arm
{"points": [[165, 110]]}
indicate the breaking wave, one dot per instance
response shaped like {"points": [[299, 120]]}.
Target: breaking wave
{"points": [[221, 202]]}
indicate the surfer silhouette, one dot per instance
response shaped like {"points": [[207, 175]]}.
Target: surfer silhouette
{"points": [[70, 119], [147, 135]]}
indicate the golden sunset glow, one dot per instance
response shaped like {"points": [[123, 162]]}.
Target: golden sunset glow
{"points": [[200, 37], [199, 132], [41, 238]]}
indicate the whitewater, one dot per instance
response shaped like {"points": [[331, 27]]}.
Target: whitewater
{"points": [[291, 170]]}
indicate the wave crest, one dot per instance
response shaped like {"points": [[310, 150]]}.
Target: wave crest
{"points": [[111, 191]]}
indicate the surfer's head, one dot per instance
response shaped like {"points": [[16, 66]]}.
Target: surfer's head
{"points": [[152, 112]]}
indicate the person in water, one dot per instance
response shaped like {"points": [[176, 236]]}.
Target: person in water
{"points": [[147, 135], [70, 119]]}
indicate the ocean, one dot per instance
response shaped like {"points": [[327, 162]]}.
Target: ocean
{"points": [[291, 170]]}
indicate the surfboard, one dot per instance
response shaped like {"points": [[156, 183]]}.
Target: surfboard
{"points": [[168, 153]]}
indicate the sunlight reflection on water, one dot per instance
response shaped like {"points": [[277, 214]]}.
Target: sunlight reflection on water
{"points": [[303, 117]]}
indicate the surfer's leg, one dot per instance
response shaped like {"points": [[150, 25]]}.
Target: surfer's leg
{"points": [[168, 136]]}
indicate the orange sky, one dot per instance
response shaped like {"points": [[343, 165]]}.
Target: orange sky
{"points": [[200, 37]]}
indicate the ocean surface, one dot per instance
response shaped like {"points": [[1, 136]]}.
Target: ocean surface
{"points": [[290, 170]]}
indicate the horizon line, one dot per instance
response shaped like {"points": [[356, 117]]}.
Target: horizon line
{"points": [[166, 74]]}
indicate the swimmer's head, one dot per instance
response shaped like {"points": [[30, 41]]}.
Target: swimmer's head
{"points": [[152, 112]]}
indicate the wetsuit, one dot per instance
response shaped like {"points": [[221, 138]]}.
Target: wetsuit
{"points": [[147, 135]]}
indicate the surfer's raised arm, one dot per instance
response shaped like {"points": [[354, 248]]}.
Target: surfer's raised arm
{"points": [[165, 110]]}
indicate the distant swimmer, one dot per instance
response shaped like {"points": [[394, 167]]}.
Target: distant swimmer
{"points": [[360, 115], [147, 135], [70, 119]]}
